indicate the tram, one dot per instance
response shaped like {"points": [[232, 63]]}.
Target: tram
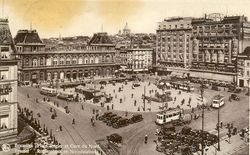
{"points": [[168, 116], [218, 101], [48, 91]]}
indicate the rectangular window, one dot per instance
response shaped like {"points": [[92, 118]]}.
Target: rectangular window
{"points": [[4, 122], [247, 73], [5, 52], [3, 75]]}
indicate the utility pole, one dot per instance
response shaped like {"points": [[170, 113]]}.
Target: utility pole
{"points": [[144, 98], [202, 107], [218, 129]]}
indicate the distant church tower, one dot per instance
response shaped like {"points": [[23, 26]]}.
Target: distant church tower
{"points": [[126, 30]]}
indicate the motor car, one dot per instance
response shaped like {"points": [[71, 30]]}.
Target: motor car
{"points": [[109, 117], [235, 97], [114, 138], [106, 114], [215, 88], [231, 89], [121, 123], [237, 90], [136, 118], [113, 120]]}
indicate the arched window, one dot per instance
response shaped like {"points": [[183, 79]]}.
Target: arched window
{"points": [[27, 62], [55, 61], [91, 60], [74, 60], [48, 61], [41, 61], [68, 60], [96, 60], [61, 60], [86, 60], [80, 61], [34, 62]]}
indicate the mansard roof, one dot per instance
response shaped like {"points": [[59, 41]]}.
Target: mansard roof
{"points": [[100, 39], [27, 37]]}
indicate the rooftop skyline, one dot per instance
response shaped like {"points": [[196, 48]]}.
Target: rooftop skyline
{"points": [[85, 17]]}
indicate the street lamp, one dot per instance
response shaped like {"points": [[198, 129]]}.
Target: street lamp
{"points": [[202, 107]]}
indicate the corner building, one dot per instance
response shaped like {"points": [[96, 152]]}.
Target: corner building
{"points": [[8, 86], [39, 65], [217, 41]]}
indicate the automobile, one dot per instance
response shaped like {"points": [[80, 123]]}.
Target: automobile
{"points": [[109, 117], [235, 97], [136, 84], [114, 138], [247, 94], [215, 88], [121, 123], [136, 118], [106, 114], [113, 120], [237, 90], [231, 89]]}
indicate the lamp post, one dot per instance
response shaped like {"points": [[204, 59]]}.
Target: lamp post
{"points": [[202, 107], [218, 129]]}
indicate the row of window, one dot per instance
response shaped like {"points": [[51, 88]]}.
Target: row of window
{"points": [[67, 61]]}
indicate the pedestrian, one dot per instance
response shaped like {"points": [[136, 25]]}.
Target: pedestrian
{"points": [[229, 137], [82, 107], [60, 127], [93, 111], [221, 124], [73, 121], [232, 125], [28, 96], [96, 116], [146, 139], [112, 106], [135, 103], [132, 95], [120, 100], [44, 99]]}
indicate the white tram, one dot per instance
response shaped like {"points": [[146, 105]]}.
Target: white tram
{"points": [[168, 116], [218, 101]]}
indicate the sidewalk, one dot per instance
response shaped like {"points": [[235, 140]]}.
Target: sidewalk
{"points": [[236, 145]]}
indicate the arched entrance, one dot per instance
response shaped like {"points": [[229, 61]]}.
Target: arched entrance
{"points": [[62, 75], [86, 73], [34, 77], [68, 76], [107, 72], [55, 76], [48, 76], [74, 74], [80, 74], [97, 72]]}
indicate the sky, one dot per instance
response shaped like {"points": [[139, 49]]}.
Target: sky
{"points": [[85, 17]]}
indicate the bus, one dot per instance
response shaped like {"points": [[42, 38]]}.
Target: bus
{"points": [[168, 116], [48, 91], [67, 96], [218, 101]]}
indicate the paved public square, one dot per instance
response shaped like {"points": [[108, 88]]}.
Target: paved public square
{"points": [[83, 132]]}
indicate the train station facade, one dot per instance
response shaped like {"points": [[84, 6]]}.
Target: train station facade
{"points": [[38, 65]]}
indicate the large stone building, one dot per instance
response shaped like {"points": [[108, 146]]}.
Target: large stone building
{"points": [[174, 45], [244, 68], [202, 47], [217, 41], [8, 86], [38, 64], [139, 59]]}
